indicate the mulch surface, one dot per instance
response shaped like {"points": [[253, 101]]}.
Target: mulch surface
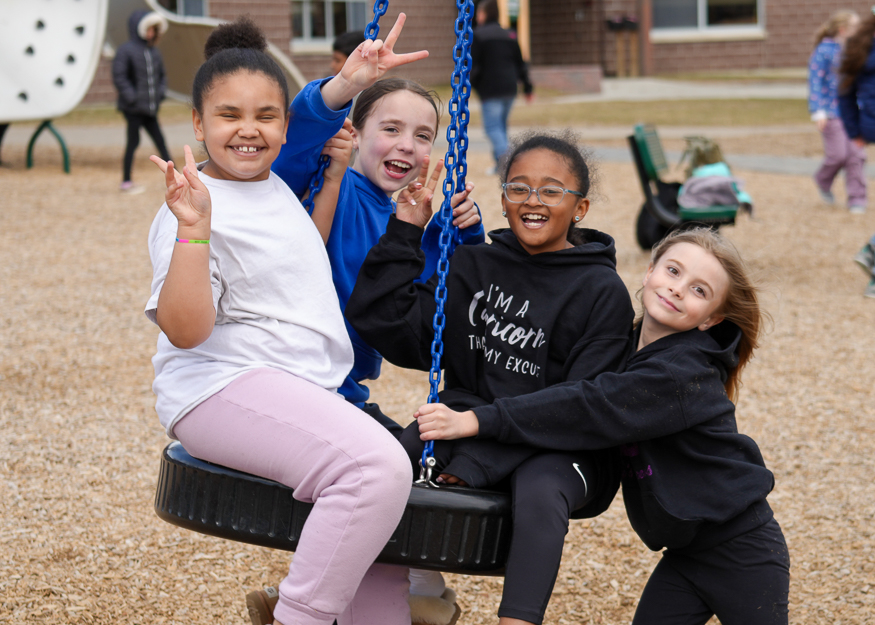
{"points": [[80, 542]]}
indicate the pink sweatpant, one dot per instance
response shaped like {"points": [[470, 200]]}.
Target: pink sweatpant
{"points": [[839, 152], [275, 425]]}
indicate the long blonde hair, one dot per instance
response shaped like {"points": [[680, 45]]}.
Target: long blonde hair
{"points": [[741, 305], [832, 26]]}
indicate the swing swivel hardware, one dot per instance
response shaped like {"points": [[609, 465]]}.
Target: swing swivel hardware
{"points": [[425, 471]]}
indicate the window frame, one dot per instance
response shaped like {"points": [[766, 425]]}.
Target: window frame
{"points": [[703, 32], [319, 45]]}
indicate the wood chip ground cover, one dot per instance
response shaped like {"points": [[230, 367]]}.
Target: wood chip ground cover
{"points": [[79, 542]]}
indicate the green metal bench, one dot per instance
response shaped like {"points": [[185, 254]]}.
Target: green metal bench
{"points": [[661, 213]]}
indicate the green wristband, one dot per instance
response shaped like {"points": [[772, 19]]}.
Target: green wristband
{"points": [[178, 240]]}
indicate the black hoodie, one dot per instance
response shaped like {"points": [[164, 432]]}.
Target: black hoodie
{"points": [[515, 323], [690, 480]]}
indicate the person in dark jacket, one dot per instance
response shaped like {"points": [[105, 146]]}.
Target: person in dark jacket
{"points": [[692, 484], [139, 77], [857, 108], [497, 69], [540, 305]]}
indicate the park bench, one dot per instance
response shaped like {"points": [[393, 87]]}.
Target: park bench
{"points": [[661, 213]]}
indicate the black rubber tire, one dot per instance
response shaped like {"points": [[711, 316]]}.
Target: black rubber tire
{"points": [[456, 530], [648, 231]]}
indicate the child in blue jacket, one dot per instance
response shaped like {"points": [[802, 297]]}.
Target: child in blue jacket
{"points": [[395, 123]]}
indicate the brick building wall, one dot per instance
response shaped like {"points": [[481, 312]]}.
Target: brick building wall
{"points": [[563, 32], [789, 26], [430, 26]]}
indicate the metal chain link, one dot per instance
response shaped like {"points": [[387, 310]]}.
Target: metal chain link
{"points": [[456, 172], [316, 182]]}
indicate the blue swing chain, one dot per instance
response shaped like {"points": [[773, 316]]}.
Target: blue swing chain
{"points": [[318, 179], [454, 182], [456, 168]]}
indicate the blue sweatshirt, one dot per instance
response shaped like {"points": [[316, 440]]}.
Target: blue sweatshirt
{"points": [[857, 104], [823, 78], [363, 211]]}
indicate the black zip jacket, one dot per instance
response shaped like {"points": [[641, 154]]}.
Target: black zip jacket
{"points": [[138, 73], [515, 323], [497, 64], [690, 480]]}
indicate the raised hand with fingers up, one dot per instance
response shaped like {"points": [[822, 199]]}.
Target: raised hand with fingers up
{"points": [[186, 195], [366, 65], [414, 202]]}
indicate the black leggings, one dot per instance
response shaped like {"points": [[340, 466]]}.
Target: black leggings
{"points": [[546, 487], [744, 581], [135, 122]]}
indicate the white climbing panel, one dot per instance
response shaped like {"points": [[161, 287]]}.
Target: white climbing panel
{"points": [[50, 50]]}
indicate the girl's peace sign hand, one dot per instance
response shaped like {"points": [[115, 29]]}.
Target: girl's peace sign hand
{"points": [[414, 202], [186, 196], [366, 65]]}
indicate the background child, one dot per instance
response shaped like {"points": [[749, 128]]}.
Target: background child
{"points": [[139, 77], [857, 88], [866, 259], [395, 123], [540, 305], [823, 81], [343, 46], [253, 344], [691, 483]]}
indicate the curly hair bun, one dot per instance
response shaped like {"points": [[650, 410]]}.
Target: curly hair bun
{"points": [[241, 33]]}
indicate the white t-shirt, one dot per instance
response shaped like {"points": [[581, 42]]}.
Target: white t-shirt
{"points": [[272, 291]]}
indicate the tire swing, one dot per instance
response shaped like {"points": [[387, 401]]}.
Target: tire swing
{"points": [[449, 529]]}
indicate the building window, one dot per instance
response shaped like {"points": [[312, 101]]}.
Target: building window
{"points": [[320, 21], [197, 8], [707, 14]]}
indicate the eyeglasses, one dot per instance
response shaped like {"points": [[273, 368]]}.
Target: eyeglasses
{"points": [[519, 192]]}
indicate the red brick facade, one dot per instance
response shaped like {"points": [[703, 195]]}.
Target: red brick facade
{"points": [[563, 33], [789, 26]]}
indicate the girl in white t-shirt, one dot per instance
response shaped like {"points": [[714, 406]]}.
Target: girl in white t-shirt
{"points": [[253, 345]]}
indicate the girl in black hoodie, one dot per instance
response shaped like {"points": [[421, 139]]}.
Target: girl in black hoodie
{"points": [[691, 483], [541, 305]]}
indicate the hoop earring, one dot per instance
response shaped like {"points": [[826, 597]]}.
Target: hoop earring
{"points": [[504, 213]]}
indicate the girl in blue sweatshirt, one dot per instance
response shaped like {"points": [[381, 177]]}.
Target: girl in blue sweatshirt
{"points": [[395, 123], [692, 484]]}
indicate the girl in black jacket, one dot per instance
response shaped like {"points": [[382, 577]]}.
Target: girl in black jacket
{"points": [[691, 483], [542, 304]]}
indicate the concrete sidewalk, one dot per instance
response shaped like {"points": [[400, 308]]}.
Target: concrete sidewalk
{"points": [[652, 89], [112, 136]]}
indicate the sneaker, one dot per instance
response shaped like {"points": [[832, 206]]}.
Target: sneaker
{"points": [[130, 188], [866, 258], [827, 196], [443, 610], [870, 289], [260, 605], [857, 209]]}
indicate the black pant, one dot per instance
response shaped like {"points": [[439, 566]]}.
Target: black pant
{"points": [[150, 123], [373, 410], [744, 581], [546, 487]]}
